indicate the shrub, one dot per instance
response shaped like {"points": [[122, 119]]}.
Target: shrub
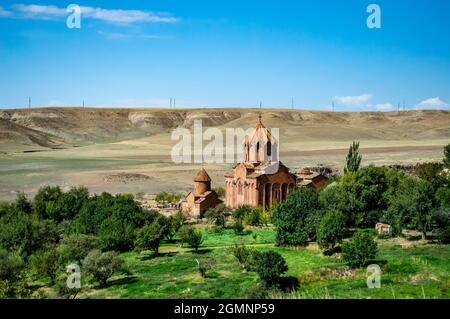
{"points": [[45, 201], [46, 263], [10, 266], [331, 230], [240, 212], [270, 266], [190, 236], [238, 227], [253, 217], [359, 250], [102, 266], [290, 216], [444, 235]]}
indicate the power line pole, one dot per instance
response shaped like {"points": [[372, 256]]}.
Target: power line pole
{"points": [[292, 103], [174, 103], [404, 105], [332, 106], [29, 102]]}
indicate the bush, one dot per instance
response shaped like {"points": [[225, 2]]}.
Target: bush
{"points": [[165, 198], [444, 235], [359, 250], [331, 230], [253, 218], [242, 211], [238, 227], [75, 247], [290, 216], [270, 266], [102, 266], [46, 263], [10, 266], [190, 236]]}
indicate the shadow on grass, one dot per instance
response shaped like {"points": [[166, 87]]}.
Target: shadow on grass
{"points": [[122, 281], [289, 284], [332, 251], [158, 255], [202, 251]]}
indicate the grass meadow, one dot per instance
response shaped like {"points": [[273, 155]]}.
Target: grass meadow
{"points": [[410, 269]]}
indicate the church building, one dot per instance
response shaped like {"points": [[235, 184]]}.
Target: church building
{"points": [[260, 180], [201, 198]]}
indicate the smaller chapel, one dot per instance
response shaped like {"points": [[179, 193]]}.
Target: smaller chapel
{"points": [[201, 198]]}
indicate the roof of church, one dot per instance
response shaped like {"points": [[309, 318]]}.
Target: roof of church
{"points": [[261, 133], [202, 176]]}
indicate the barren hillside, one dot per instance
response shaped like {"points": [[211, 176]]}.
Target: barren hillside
{"points": [[64, 127], [128, 150]]}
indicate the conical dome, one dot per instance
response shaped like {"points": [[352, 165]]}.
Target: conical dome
{"points": [[202, 176]]}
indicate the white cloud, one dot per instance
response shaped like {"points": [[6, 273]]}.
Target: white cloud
{"points": [[4, 12], [44, 12], [123, 36], [433, 103], [384, 107], [359, 100]]}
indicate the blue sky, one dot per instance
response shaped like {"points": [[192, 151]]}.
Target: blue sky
{"points": [[226, 53]]}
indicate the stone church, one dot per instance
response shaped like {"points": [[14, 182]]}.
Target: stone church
{"points": [[260, 180], [201, 198]]}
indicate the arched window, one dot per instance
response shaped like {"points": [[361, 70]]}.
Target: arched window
{"points": [[269, 148]]}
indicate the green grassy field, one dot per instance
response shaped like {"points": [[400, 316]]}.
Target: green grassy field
{"points": [[409, 270]]}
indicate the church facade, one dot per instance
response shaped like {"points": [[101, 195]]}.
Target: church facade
{"points": [[260, 180]]}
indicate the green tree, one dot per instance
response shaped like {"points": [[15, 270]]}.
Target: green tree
{"points": [[45, 201], [331, 230], [413, 204], [353, 160], [23, 204], [270, 266], [446, 159], [359, 250], [75, 247], [190, 236], [102, 266], [26, 233], [69, 204], [46, 263], [290, 216], [149, 237], [217, 215]]}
